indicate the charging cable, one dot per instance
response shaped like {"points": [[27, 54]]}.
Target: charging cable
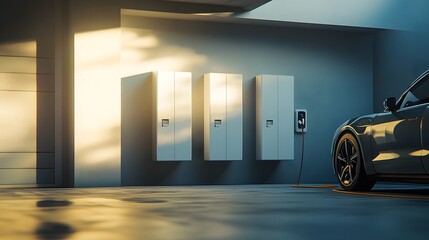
{"points": [[301, 122]]}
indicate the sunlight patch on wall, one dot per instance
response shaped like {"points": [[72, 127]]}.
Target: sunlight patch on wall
{"points": [[141, 53], [18, 82], [18, 121], [97, 108]]}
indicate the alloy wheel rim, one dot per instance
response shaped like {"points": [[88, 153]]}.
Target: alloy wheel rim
{"points": [[347, 161]]}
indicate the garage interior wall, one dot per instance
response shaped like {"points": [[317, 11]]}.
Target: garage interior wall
{"points": [[338, 74], [328, 65], [333, 81], [399, 58]]}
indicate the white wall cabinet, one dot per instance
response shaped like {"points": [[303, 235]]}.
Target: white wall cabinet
{"points": [[274, 117], [223, 116], [172, 130]]}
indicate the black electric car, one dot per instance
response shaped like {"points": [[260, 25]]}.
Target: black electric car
{"points": [[389, 146]]}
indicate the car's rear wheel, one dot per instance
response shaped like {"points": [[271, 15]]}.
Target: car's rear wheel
{"points": [[349, 166]]}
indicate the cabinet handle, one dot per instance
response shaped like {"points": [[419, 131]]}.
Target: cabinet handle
{"points": [[165, 122], [217, 123], [269, 123]]}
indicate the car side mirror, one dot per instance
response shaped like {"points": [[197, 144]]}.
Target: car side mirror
{"points": [[389, 104]]}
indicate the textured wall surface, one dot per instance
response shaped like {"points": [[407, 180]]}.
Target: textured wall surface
{"points": [[333, 81]]}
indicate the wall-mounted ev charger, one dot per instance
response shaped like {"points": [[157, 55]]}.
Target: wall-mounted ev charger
{"points": [[301, 120], [301, 127]]}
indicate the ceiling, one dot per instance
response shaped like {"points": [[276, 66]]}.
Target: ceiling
{"points": [[240, 5]]}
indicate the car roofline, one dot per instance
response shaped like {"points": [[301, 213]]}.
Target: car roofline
{"points": [[424, 74]]}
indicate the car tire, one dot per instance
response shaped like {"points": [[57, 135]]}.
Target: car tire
{"points": [[349, 167]]}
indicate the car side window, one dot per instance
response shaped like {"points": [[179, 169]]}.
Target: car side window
{"points": [[418, 94]]}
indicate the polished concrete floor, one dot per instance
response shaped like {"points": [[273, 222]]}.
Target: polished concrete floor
{"points": [[213, 212]]}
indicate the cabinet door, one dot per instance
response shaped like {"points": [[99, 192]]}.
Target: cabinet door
{"points": [[259, 124], [234, 121], [269, 98], [217, 108], [286, 117], [165, 115], [183, 116]]}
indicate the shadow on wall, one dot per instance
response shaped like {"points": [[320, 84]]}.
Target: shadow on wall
{"points": [[136, 139]]}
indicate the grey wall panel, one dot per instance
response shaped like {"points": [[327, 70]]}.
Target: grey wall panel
{"points": [[18, 82], [18, 176], [18, 121], [27, 160], [27, 121], [18, 160], [26, 82], [12, 64]]}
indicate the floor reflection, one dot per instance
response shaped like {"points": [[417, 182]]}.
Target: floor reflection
{"points": [[210, 212], [53, 203], [417, 192], [54, 230]]}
